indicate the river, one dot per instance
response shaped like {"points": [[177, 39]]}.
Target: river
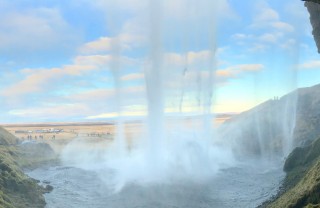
{"points": [[244, 186]]}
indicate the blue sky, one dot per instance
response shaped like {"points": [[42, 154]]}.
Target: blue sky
{"points": [[59, 59]]}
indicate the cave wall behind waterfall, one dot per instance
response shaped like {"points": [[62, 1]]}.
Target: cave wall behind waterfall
{"points": [[314, 10]]}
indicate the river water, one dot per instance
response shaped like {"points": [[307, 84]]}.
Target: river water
{"points": [[242, 186]]}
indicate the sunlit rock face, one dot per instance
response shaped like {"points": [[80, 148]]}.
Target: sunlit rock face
{"points": [[314, 10]]}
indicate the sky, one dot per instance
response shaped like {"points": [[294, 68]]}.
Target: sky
{"points": [[86, 60]]}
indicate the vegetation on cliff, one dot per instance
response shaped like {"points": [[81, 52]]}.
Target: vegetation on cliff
{"points": [[17, 190], [301, 187]]}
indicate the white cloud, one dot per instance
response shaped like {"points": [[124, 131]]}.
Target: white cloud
{"points": [[266, 14], [282, 26], [259, 47], [172, 85], [234, 72], [314, 64], [34, 30], [105, 61], [191, 58], [84, 104], [135, 113], [268, 37], [188, 66], [124, 5], [40, 80], [96, 95], [102, 95], [177, 9], [103, 115], [134, 31], [130, 31], [196, 9], [289, 44], [268, 18], [240, 36], [222, 76], [133, 76], [53, 112], [298, 16], [103, 45], [267, 30]]}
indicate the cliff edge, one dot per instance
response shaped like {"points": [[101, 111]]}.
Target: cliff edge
{"points": [[17, 190]]}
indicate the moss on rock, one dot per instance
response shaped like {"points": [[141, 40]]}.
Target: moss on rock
{"points": [[302, 183], [17, 190], [312, 206], [302, 156]]}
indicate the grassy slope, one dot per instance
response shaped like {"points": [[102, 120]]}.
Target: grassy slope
{"points": [[17, 189], [303, 179]]}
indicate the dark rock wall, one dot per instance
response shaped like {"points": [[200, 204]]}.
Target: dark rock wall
{"points": [[314, 10]]}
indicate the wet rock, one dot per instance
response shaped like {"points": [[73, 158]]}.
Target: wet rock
{"points": [[48, 189], [302, 156], [313, 7]]}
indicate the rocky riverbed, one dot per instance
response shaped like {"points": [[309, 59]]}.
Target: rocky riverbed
{"points": [[243, 186]]}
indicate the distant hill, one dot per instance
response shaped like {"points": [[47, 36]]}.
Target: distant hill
{"points": [[6, 138], [276, 126]]}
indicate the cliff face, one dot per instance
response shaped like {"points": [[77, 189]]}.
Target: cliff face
{"points": [[17, 189], [301, 187], [292, 120], [313, 7]]}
